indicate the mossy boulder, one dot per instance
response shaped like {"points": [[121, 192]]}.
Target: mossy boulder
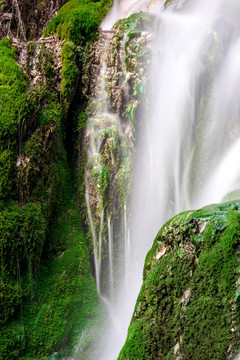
{"points": [[188, 306]]}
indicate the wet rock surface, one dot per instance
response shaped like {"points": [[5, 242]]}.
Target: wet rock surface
{"points": [[188, 307], [114, 74], [33, 56]]}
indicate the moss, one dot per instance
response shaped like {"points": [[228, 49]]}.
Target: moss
{"points": [[78, 20], [132, 111], [77, 23], [48, 298], [13, 109], [70, 71], [22, 238], [167, 3], [34, 172], [135, 23], [187, 305], [65, 301], [46, 85]]}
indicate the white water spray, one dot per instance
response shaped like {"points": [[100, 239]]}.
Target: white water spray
{"points": [[122, 9], [190, 156], [110, 257], [105, 142], [97, 260], [127, 250]]}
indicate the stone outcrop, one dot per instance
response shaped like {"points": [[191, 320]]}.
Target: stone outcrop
{"points": [[34, 57], [26, 19], [188, 306]]}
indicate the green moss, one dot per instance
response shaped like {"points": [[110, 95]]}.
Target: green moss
{"points": [[187, 304], [65, 301], [71, 303], [48, 298], [132, 108], [78, 20], [82, 119], [167, 3], [70, 71], [13, 108], [33, 173], [99, 172], [135, 23], [22, 238]]}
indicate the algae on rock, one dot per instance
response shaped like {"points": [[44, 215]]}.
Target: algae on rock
{"points": [[188, 306]]}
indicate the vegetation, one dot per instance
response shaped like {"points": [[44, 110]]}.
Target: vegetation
{"points": [[188, 305], [33, 170], [76, 23], [48, 297], [167, 3], [62, 304], [13, 109], [78, 20]]}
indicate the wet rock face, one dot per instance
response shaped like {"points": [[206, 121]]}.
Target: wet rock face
{"points": [[40, 60], [188, 307], [113, 80], [26, 19]]}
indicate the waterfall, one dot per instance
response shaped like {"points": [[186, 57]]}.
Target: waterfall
{"points": [[189, 144], [127, 254], [97, 258], [110, 256], [108, 157], [122, 9]]}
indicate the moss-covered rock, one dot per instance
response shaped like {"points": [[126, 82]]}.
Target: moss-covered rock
{"points": [[118, 69], [48, 296], [78, 20], [188, 306], [59, 305]]}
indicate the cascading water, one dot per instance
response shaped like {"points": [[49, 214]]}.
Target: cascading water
{"points": [[107, 168], [122, 9], [189, 145], [98, 174]]}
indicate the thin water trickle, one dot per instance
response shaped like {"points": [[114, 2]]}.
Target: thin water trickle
{"points": [[94, 238], [189, 157], [110, 256], [127, 255], [20, 136], [105, 141]]}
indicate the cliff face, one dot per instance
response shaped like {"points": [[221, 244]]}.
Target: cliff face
{"points": [[188, 306], [26, 19], [44, 255]]}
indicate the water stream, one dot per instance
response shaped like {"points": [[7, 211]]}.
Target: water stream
{"points": [[190, 144]]}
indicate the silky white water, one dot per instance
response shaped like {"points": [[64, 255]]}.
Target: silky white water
{"points": [[107, 157], [189, 146]]}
